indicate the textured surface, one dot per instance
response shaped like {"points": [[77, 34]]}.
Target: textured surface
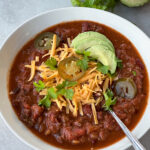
{"points": [[15, 12]]}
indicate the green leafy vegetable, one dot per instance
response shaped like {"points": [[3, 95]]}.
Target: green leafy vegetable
{"points": [[134, 73], [119, 63], [45, 101], [68, 93], [39, 86], [103, 69], [51, 63], [92, 59], [85, 53], [99, 4], [109, 99], [83, 63], [52, 93], [66, 84]]}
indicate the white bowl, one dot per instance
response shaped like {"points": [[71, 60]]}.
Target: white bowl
{"points": [[30, 28]]}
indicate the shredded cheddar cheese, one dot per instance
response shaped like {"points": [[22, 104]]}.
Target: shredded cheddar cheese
{"points": [[37, 59], [32, 69], [54, 45], [52, 51], [83, 91]]}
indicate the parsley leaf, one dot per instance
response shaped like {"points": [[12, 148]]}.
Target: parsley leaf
{"points": [[52, 93], [92, 59], [103, 69], [68, 93], [66, 84], [70, 83], [39, 86], [119, 63], [134, 73], [99, 4], [83, 63], [110, 93], [84, 53], [51, 63], [109, 99], [45, 101]]}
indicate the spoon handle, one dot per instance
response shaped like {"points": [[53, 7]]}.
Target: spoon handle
{"points": [[136, 144]]}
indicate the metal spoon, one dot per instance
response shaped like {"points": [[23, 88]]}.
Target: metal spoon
{"points": [[135, 143]]}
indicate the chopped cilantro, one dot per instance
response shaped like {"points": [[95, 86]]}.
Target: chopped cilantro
{"points": [[68, 93], [99, 4], [52, 93], [84, 53], [103, 69], [134, 73], [66, 84], [39, 86], [109, 99], [83, 63], [79, 52], [45, 101], [51, 63], [119, 63], [92, 59]]}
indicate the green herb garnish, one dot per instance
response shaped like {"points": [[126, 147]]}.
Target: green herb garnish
{"points": [[67, 93], [51, 63], [109, 99], [39, 86], [119, 63], [103, 69], [99, 4], [66, 84], [84, 53], [46, 101], [134, 73], [83, 63], [61, 90], [52, 93]]}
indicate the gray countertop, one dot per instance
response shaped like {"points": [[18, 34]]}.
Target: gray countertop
{"points": [[15, 12]]}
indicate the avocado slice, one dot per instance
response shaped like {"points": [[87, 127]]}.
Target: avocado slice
{"points": [[134, 3], [90, 34], [99, 46], [91, 41], [104, 55]]}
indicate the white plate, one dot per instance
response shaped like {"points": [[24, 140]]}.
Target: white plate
{"points": [[30, 28]]}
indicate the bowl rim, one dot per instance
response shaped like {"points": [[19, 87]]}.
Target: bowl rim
{"points": [[62, 9]]}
